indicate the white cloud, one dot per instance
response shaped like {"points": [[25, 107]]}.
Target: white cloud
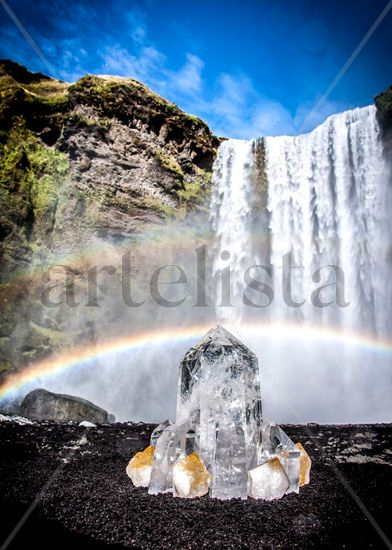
{"points": [[238, 110], [145, 66], [234, 108], [188, 78]]}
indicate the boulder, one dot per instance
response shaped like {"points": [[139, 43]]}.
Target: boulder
{"points": [[41, 404]]}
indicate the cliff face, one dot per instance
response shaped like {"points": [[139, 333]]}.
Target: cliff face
{"points": [[383, 104], [117, 152], [99, 161]]}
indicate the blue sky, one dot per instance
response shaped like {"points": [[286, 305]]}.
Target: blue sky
{"points": [[249, 68]]}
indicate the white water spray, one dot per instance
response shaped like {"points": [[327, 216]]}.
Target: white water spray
{"points": [[329, 204]]}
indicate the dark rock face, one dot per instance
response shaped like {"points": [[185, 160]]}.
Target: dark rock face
{"points": [[383, 103], [95, 164], [41, 404]]}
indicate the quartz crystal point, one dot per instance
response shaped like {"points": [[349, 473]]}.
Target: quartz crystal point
{"points": [[171, 445], [219, 391], [156, 434], [276, 443], [139, 467], [190, 477]]}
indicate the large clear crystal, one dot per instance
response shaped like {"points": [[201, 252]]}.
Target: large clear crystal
{"points": [[219, 441], [219, 391]]}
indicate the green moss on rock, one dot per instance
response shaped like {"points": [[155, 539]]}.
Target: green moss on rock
{"points": [[383, 104], [31, 175], [169, 163], [161, 207], [42, 102], [195, 193]]}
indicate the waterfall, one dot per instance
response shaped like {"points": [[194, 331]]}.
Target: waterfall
{"points": [[234, 202], [329, 202], [326, 213]]}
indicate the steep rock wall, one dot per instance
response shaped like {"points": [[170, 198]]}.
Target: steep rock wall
{"points": [[99, 161]]}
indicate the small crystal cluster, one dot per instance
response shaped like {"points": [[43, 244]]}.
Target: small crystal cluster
{"points": [[219, 443]]}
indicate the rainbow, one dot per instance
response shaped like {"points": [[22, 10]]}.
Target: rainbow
{"points": [[79, 356]]}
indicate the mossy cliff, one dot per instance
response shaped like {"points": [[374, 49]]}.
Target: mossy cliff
{"points": [[101, 160], [383, 103]]}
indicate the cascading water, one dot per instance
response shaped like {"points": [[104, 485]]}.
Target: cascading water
{"points": [[234, 201], [329, 200], [328, 260]]}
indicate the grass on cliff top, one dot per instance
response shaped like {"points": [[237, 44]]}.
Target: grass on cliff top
{"points": [[44, 91], [104, 88], [48, 90]]}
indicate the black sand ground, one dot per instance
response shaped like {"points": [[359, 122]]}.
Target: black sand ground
{"points": [[75, 477]]}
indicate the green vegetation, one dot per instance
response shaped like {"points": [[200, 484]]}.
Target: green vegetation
{"points": [[197, 121], [43, 103], [102, 124], [190, 193], [170, 164], [126, 204], [30, 174], [383, 103], [195, 192], [161, 207], [108, 93], [48, 169], [49, 335], [122, 203]]}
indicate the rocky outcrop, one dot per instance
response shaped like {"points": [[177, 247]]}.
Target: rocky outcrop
{"points": [[383, 104], [41, 404], [111, 149], [84, 166]]}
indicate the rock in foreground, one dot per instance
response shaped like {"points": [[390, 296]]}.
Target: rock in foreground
{"points": [[268, 481], [41, 404], [139, 467], [190, 477]]}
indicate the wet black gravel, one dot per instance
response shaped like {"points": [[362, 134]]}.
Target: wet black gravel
{"points": [[83, 498]]}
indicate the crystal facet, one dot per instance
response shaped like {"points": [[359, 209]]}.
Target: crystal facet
{"points": [[156, 434], [229, 468], [276, 443], [170, 446]]}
